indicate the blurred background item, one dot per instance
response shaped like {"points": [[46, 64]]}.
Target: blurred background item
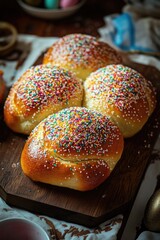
{"points": [[135, 31], [68, 3], [51, 4], [144, 7], [8, 37], [21, 228], [52, 9]]}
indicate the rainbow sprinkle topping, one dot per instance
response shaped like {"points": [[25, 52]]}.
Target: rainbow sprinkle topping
{"points": [[80, 131], [118, 85], [82, 50], [43, 84]]}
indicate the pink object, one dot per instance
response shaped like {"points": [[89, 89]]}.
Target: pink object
{"points": [[68, 3], [18, 229]]}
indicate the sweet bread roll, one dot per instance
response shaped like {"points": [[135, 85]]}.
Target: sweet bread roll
{"points": [[40, 91], [81, 54], [122, 94], [2, 87], [75, 148]]}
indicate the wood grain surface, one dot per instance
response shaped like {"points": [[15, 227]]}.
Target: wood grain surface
{"points": [[86, 208]]}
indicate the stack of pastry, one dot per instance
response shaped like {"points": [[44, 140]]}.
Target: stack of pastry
{"points": [[80, 103]]}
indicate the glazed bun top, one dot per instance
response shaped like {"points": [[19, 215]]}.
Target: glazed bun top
{"points": [[75, 148], [79, 134], [40, 91], [81, 54], [42, 84], [122, 94]]}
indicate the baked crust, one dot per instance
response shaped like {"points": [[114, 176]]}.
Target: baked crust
{"points": [[75, 148], [40, 91], [123, 95], [81, 54]]}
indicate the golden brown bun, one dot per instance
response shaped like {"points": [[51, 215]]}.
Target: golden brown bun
{"points": [[40, 91], [2, 87], [81, 54], [75, 148], [122, 94]]}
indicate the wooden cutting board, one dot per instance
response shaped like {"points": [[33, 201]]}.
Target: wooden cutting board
{"points": [[86, 208]]}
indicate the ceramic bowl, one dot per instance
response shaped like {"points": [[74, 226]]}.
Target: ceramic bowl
{"points": [[19, 228], [50, 13]]}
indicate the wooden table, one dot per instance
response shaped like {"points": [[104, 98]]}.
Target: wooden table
{"points": [[87, 20]]}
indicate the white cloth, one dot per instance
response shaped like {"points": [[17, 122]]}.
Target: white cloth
{"points": [[146, 235], [26, 52], [61, 230], [131, 31]]}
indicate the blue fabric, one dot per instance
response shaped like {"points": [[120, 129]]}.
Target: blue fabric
{"points": [[51, 4], [124, 35]]}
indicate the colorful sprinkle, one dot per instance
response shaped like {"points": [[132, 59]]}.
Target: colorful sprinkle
{"points": [[80, 51], [81, 132], [44, 84], [120, 92]]}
